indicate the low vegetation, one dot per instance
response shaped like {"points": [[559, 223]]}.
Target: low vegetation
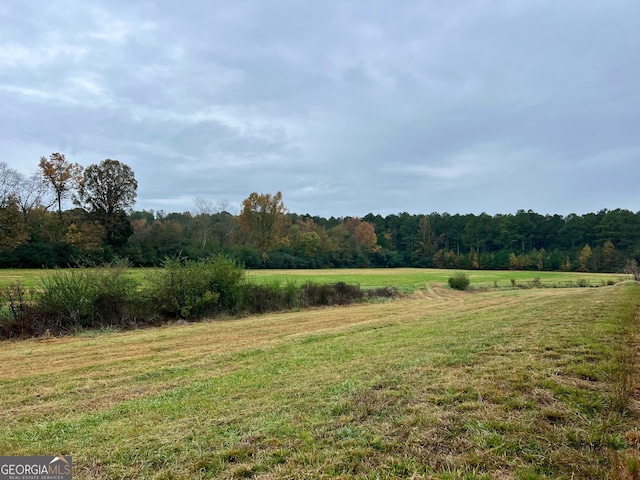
{"points": [[459, 281], [508, 383], [72, 299]]}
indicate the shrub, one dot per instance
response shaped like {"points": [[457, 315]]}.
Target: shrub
{"points": [[381, 292], [459, 281], [339, 293], [68, 297], [86, 297], [193, 289], [116, 293], [267, 298], [16, 310], [346, 293]]}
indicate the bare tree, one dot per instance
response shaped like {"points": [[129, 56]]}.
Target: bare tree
{"points": [[33, 192], [226, 223], [214, 219], [204, 220], [9, 183], [633, 269]]}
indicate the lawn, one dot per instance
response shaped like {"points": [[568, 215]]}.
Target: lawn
{"points": [[508, 383]]}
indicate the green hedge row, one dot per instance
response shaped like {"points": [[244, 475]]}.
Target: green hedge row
{"points": [[73, 299]]}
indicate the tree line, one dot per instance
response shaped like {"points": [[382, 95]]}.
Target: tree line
{"points": [[36, 231]]}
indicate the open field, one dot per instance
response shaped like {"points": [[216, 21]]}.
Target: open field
{"points": [[526, 384], [408, 279], [421, 278]]}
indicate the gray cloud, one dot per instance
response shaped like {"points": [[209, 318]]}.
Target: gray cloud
{"points": [[346, 107]]}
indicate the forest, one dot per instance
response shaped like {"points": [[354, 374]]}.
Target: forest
{"points": [[36, 231]]}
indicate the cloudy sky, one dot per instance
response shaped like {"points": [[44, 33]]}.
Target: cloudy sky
{"points": [[347, 107]]}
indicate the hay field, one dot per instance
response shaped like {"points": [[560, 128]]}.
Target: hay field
{"points": [[532, 383]]}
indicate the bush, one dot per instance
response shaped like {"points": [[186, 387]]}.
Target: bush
{"points": [[381, 292], [459, 281], [15, 311], [193, 289], [86, 297], [340, 293], [268, 297]]}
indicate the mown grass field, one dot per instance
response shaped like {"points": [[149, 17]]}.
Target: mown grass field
{"points": [[411, 279], [497, 384], [407, 279]]}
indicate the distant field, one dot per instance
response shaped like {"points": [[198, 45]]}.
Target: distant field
{"points": [[502, 384], [402, 278], [421, 278]]}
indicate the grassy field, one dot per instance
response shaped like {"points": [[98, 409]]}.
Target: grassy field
{"points": [[422, 278], [407, 279], [503, 384]]}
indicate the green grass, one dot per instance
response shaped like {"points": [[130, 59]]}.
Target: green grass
{"points": [[526, 384], [411, 279], [407, 279]]}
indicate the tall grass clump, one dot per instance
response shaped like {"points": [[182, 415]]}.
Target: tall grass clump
{"points": [[193, 289], [85, 297], [459, 281]]}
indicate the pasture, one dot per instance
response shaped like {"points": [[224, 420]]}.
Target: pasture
{"points": [[406, 279], [411, 279], [502, 383]]}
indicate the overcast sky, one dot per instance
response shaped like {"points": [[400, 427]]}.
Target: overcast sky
{"points": [[347, 107]]}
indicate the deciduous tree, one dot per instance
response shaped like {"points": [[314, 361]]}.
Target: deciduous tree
{"points": [[203, 216], [585, 258], [32, 193], [263, 218], [226, 223], [9, 183], [13, 231], [107, 190], [365, 235], [62, 175]]}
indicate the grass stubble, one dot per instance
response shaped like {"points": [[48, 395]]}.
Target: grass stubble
{"points": [[525, 384]]}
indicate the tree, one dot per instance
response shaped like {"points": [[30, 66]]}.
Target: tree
{"points": [[109, 187], [633, 269], [31, 194], [107, 190], [62, 175], [9, 183], [365, 235], [204, 218], [262, 219], [608, 255], [226, 223], [86, 236], [426, 243], [585, 258], [13, 231]]}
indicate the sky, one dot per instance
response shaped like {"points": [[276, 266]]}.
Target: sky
{"points": [[346, 107]]}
